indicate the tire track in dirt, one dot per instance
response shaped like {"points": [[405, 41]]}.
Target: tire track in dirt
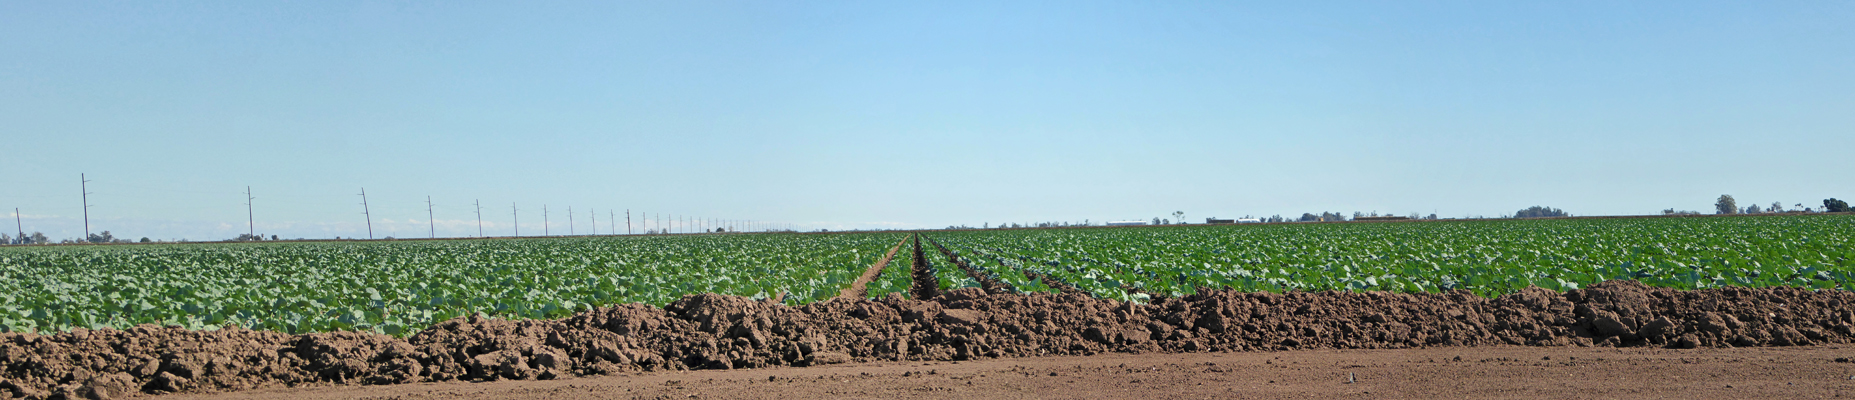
{"points": [[986, 281], [858, 289]]}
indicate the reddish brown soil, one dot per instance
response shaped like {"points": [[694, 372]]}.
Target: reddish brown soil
{"points": [[723, 332], [1438, 372], [860, 288], [923, 283]]}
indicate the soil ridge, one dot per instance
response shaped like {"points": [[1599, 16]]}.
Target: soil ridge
{"points": [[710, 331]]}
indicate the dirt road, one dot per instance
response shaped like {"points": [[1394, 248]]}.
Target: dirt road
{"points": [[1449, 372]]}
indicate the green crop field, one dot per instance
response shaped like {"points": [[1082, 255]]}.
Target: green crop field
{"points": [[1489, 257], [399, 287]]}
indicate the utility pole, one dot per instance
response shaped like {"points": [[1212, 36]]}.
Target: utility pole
{"points": [[479, 218], [20, 225], [544, 220], [612, 216], [84, 186], [251, 222], [368, 213], [627, 219], [569, 220], [518, 218], [428, 216]]}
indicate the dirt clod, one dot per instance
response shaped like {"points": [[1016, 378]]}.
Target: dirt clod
{"points": [[726, 332]]}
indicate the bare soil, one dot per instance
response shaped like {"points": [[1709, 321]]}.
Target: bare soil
{"points": [[717, 332], [923, 283], [1440, 372]]}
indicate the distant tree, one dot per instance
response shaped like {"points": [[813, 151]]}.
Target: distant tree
{"points": [[101, 237], [1753, 209], [1180, 215], [1726, 205], [6, 239], [38, 238], [1833, 205], [145, 240], [1432, 216], [1357, 214], [1540, 212], [1776, 207], [1309, 217], [1155, 220]]}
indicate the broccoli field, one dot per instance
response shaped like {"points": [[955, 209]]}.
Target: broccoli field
{"points": [[401, 287]]}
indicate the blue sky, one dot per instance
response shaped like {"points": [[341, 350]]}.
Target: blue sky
{"points": [[907, 115]]}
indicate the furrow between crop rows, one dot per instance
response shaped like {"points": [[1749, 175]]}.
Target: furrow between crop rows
{"points": [[987, 281], [858, 289]]}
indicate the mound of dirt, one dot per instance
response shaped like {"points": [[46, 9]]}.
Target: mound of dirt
{"points": [[723, 332]]}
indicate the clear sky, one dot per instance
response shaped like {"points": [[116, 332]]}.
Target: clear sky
{"points": [[877, 114]]}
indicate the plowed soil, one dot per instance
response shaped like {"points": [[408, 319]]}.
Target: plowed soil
{"points": [[1429, 373], [724, 332]]}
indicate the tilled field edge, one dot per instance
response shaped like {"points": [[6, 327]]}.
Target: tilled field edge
{"points": [[720, 332]]}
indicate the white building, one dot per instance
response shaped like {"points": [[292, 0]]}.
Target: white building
{"points": [[1126, 223]]}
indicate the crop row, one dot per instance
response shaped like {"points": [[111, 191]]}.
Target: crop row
{"points": [[1486, 257], [399, 287]]}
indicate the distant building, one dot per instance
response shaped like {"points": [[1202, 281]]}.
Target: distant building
{"points": [[1249, 220], [1214, 220], [1383, 218], [1126, 223]]}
